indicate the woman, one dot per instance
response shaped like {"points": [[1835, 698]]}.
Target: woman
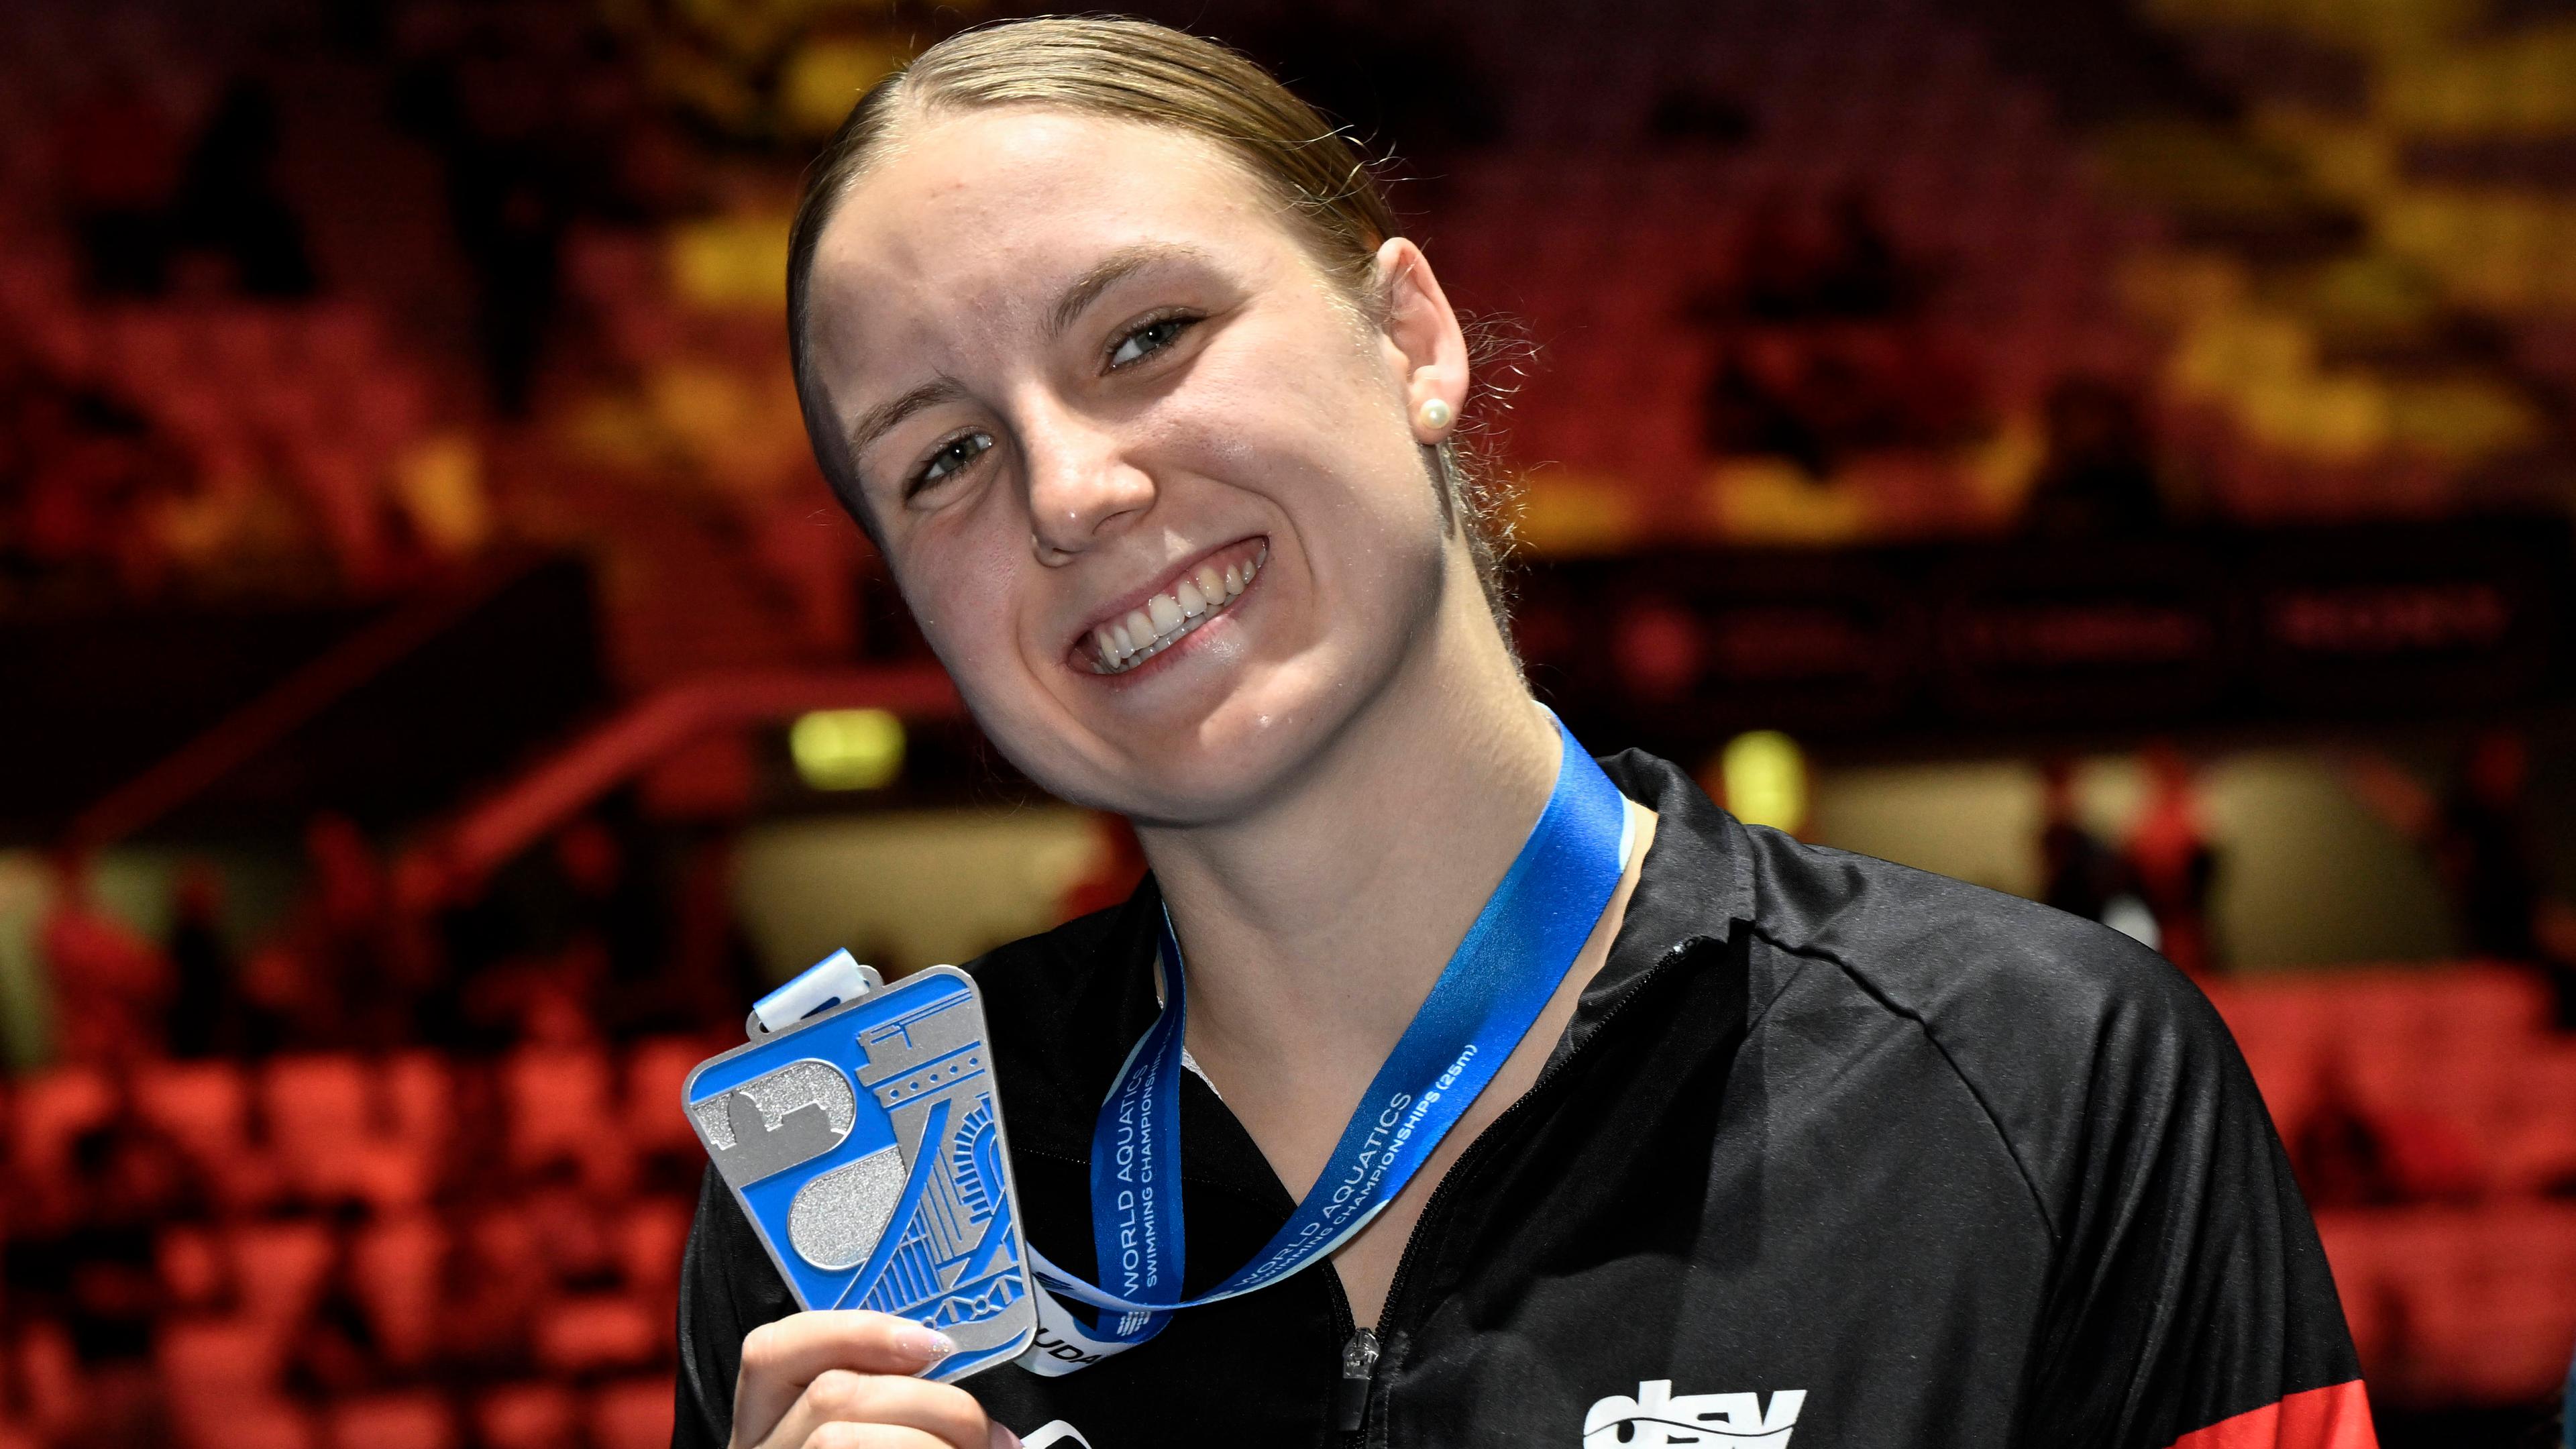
{"points": [[1115, 351]]}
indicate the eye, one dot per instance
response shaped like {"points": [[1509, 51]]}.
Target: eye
{"points": [[1149, 339], [951, 459]]}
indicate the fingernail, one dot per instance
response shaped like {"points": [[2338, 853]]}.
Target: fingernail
{"points": [[1004, 1438], [927, 1344]]}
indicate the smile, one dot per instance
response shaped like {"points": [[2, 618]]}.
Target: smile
{"points": [[1197, 596]]}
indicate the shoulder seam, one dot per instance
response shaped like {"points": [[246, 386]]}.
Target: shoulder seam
{"points": [[2012, 1153]]}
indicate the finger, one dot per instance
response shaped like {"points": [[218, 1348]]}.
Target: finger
{"points": [[871, 1436], [779, 1359], [943, 1411]]}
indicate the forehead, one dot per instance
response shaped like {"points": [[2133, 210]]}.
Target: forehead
{"points": [[971, 221]]}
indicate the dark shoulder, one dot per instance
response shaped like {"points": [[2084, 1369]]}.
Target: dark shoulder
{"points": [[2060, 1026], [1928, 947], [1942, 949]]}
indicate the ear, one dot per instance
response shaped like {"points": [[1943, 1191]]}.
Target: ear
{"points": [[1424, 346]]}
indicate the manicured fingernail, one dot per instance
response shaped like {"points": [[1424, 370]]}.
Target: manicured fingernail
{"points": [[926, 1344]]}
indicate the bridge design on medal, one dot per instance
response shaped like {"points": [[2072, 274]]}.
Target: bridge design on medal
{"points": [[950, 1255], [921, 1227]]}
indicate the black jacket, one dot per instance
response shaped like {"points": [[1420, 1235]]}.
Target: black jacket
{"points": [[1955, 1168]]}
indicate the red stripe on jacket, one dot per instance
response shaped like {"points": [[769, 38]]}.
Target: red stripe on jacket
{"points": [[2334, 1417]]}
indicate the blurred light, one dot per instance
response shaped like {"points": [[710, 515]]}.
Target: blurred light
{"points": [[2130, 917], [730, 262], [847, 749], [1764, 775], [826, 77], [439, 482]]}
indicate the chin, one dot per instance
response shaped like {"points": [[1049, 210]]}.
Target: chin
{"points": [[1202, 761]]}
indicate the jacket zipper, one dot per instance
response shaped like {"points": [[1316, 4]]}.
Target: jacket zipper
{"points": [[1359, 1368], [1360, 1353]]}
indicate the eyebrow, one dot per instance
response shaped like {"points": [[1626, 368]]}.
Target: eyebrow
{"points": [[1109, 272], [877, 421]]}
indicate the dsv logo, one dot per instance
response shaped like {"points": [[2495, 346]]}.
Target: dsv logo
{"points": [[1722, 1421]]}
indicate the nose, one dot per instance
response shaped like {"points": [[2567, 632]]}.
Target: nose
{"points": [[1083, 489]]}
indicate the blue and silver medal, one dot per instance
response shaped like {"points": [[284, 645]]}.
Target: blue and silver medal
{"points": [[860, 1132]]}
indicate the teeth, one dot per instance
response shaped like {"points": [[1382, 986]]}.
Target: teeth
{"points": [[1123, 643]]}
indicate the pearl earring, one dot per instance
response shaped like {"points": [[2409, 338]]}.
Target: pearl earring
{"points": [[1434, 414]]}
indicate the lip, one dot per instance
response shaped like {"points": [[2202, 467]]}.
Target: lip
{"points": [[1078, 650]]}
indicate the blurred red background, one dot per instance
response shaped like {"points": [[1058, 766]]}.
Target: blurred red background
{"points": [[2114, 452]]}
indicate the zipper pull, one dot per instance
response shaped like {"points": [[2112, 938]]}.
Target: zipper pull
{"points": [[1359, 1365]]}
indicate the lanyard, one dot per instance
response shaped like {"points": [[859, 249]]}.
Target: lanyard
{"points": [[1503, 974]]}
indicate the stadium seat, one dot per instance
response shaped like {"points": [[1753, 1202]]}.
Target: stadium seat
{"points": [[339, 341], [386, 410], [52, 1109], [193, 1267], [559, 1105], [392, 1421], [335, 1123], [278, 1267], [2534, 1149], [655, 1072], [2478, 1302], [632, 1414], [393, 1174], [244, 343], [590, 1332], [147, 349], [215, 1362], [398, 1266], [203, 1105], [653, 1232], [316, 1104], [2360, 1276], [527, 1416], [418, 1087], [48, 1374], [249, 1423], [2525, 1267]]}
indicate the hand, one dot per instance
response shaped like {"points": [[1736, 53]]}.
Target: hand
{"points": [[843, 1379]]}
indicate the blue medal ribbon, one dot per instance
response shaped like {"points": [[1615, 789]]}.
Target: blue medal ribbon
{"points": [[1501, 977]]}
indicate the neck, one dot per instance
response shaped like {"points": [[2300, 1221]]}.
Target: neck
{"points": [[1315, 927]]}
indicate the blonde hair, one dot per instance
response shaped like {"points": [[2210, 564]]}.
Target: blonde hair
{"points": [[1131, 70]]}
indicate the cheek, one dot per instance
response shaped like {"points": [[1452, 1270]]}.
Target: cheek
{"points": [[961, 580], [1293, 416]]}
